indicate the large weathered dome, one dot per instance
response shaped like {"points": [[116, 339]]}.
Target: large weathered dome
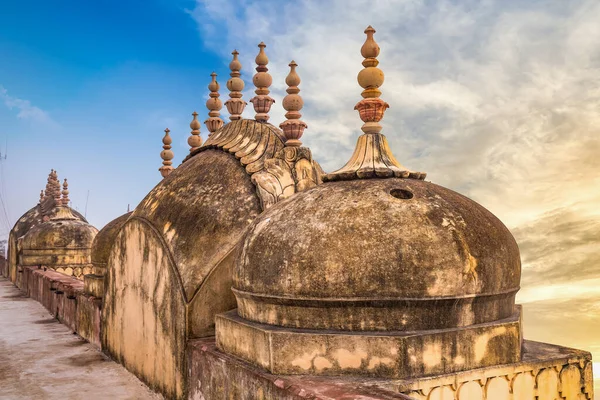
{"points": [[377, 254]]}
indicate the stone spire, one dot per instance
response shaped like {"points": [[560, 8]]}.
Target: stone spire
{"points": [[61, 210], [262, 80], [65, 194], [235, 105], [41, 196], [214, 105], [167, 154], [372, 156], [56, 189], [195, 141], [293, 127]]}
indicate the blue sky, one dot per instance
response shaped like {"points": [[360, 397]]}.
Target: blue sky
{"points": [[93, 85], [499, 100]]}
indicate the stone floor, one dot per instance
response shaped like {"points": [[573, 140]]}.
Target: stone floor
{"points": [[42, 359]]}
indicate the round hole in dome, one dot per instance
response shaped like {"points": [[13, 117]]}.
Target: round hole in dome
{"points": [[402, 194]]}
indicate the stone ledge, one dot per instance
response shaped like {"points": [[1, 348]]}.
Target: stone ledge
{"points": [[547, 372], [216, 375], [384, 354]]}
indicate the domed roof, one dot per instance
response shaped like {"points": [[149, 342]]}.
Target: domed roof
{"points": [[33, 217], [105, 238], [60, 232], [377, 254], [203, 207]]}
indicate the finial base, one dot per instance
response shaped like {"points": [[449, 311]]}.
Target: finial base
{"points": [[292, 131], [372, 158], [235, 107], [213, 124], [262, 105]]}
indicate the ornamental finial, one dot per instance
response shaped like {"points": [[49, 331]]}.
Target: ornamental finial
{"points": [[293, 103], [262, 80], [65, 194], [166, 155], [214, 105], [41, 196], [195, 141], [372, 156], [235, 105], [56, 189], [49, 185], [371, 108]]}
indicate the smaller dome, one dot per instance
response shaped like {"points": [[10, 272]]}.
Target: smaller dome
{"points": [[104, 240], [55, 234], [63, 243]]}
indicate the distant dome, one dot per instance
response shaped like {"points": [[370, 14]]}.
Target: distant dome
{"points": [[377, 254], [104, 240], [34, 217], [63, 243], [27, 221]]}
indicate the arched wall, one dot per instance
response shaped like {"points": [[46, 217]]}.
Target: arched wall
{"points": [[144, 312]]}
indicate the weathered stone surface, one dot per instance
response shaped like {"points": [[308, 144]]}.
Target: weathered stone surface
{"points": [[559, 371], [215, 375], [94, 285], [41, 359], [27, 221], [382, 354], [22, 226], [546, 372], [3, 267], [201, 211], [89, 309], [104, 240], [374, 255], [61, 244], [145, 308]]}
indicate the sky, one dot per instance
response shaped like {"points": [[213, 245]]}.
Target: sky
{"points": [[498, 100]]}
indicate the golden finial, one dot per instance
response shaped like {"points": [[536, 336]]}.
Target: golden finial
{"points": [[262, 80], [214, 105], [293, 103], [65, 194], [195, 141], [372, 156], [167, 154], [235, 105]]}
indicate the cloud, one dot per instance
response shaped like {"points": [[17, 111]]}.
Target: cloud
{"points": [[26, 111]]}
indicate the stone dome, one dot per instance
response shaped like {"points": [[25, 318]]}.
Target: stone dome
{"points": [[54, 234], [377, 255], [104, 240], [24, 224], [62, 243]]}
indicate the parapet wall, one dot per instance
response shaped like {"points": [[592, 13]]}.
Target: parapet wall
{"points": [[3, 267], [546, 372]]}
